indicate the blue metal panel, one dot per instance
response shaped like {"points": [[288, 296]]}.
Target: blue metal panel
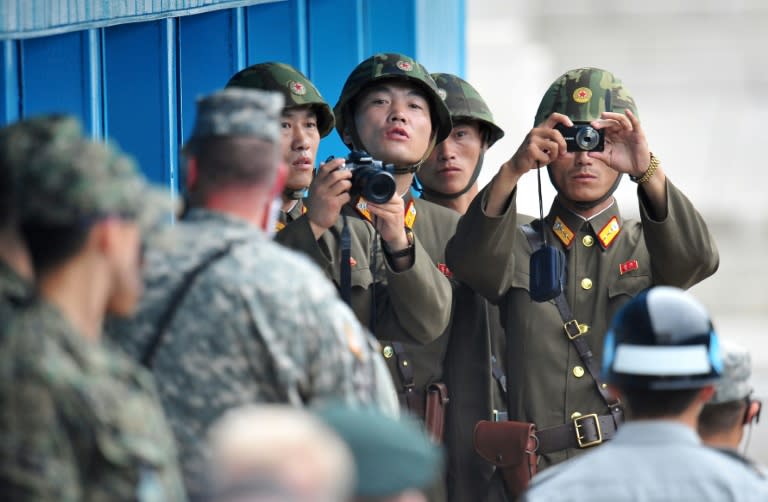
{"points": [[440, 35], [392, 26], [57, 77], [278, 32], [35, 18], [207, 62], [336, 46], [140, 89], [10, 104]]}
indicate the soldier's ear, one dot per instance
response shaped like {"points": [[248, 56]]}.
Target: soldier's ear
{"points": [[346, 136], [192, 172]]}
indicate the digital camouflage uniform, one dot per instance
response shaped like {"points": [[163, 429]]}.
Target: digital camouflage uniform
{"points": [[80, 421], [474, 366], [609, 260], [259, 324]]}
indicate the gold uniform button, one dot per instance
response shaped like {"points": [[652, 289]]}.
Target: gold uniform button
{"points": [[575, 415], [586, 283], [578, 371], [388, 352], [588, 241]]}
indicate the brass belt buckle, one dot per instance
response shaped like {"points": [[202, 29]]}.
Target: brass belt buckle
{"points": [[573, 329], [580, 438]]}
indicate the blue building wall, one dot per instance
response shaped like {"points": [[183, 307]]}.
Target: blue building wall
{"points": [[137, 82]]}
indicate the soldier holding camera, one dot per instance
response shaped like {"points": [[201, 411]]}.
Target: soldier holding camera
{"points": [[554, 346]]}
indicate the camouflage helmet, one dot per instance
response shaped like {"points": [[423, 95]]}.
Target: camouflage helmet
{"points": [[386, 66], [583, 94], [292, 84], [464, 102]]}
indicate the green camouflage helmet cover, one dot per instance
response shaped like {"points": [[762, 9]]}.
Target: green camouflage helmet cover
{"points": [[292, 84], [386, 66], [464, 102], [583, 94]]}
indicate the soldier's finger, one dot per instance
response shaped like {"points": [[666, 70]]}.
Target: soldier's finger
{"points": [[556, 118]]}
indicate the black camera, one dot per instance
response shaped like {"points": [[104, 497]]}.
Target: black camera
{"points": [[371, 178], [582, 137]]}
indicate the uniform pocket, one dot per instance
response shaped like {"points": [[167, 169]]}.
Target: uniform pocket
{"points": [[629, 285]]}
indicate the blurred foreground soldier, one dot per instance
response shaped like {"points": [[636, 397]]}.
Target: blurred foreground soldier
{"points": [[230, 317], [17, 142], [81, 421], [732, 409], [662, 359], [588, 262], [474, 363], [395, 460], [273, 453]]}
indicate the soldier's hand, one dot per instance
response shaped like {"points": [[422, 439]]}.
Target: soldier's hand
{"points": [[626, 148], [390, 221], [541, 146], [328, 193]]}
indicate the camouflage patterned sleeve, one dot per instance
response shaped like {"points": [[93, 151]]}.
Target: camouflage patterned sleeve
{"points": [[479, 254]]}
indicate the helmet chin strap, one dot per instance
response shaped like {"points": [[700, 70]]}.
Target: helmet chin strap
{"points": [[584, 205], [450, 196]]}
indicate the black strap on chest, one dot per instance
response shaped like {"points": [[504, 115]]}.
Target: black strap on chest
{"points": [[575, 334], [147, 358], [345, 274], [405, 371]]}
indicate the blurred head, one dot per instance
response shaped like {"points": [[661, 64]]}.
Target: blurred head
{"points": [[732, 405], [660, 350], [455, 163], [583, 95], [83, 198], [390, 107], [395, 459], [235, 144], [306, 117], [266, 453]]}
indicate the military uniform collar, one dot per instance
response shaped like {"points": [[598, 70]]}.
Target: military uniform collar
{"points": [[565, 224]]}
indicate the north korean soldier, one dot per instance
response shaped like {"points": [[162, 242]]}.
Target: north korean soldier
{"points": [[81, 421], [474, 364], [230, 317], [589, 135], [317, 232], [389, 107]]}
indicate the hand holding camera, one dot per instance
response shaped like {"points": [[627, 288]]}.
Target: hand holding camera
{"points": [[628, 152], [328, 193]]}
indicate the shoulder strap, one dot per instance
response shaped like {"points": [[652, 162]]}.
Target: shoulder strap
{"points": [[178, 295], [573, 332], [345, 274]]}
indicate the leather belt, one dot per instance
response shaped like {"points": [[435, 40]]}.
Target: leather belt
{"points": [[581, 432]]}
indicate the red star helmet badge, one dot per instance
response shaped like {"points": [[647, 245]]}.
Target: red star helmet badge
{"points": [[297, 88], [582, 94], [404, 65]]}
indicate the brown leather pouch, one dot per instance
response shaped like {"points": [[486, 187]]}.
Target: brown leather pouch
{"points": [[511, 447], [434, 413]]}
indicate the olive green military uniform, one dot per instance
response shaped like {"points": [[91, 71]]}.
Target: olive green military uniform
{"points": [[286, 217], [79, 422], [548, 382]]}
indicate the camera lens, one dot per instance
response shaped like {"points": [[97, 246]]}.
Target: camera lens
{"points": [[379, 187], [587, 137]]}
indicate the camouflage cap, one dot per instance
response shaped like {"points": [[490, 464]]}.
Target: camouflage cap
{"points": [[395, 67], [20, 139], [75, 182], [391, 455], [238, 112], [464, 102], [737, 367], [583, 94], [297, 90]]}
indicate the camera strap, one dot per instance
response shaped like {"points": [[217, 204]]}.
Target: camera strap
{"points": [[345, 274]]}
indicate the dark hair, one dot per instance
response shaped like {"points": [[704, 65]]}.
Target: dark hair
{"points": [[50, 245], [226, 161], [643, 403], [721, 417]]}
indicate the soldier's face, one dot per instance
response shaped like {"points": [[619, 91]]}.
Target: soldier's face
{"points": [[300, 140], [393, 122], [451, 164], [124, 257], [581, 178]]}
